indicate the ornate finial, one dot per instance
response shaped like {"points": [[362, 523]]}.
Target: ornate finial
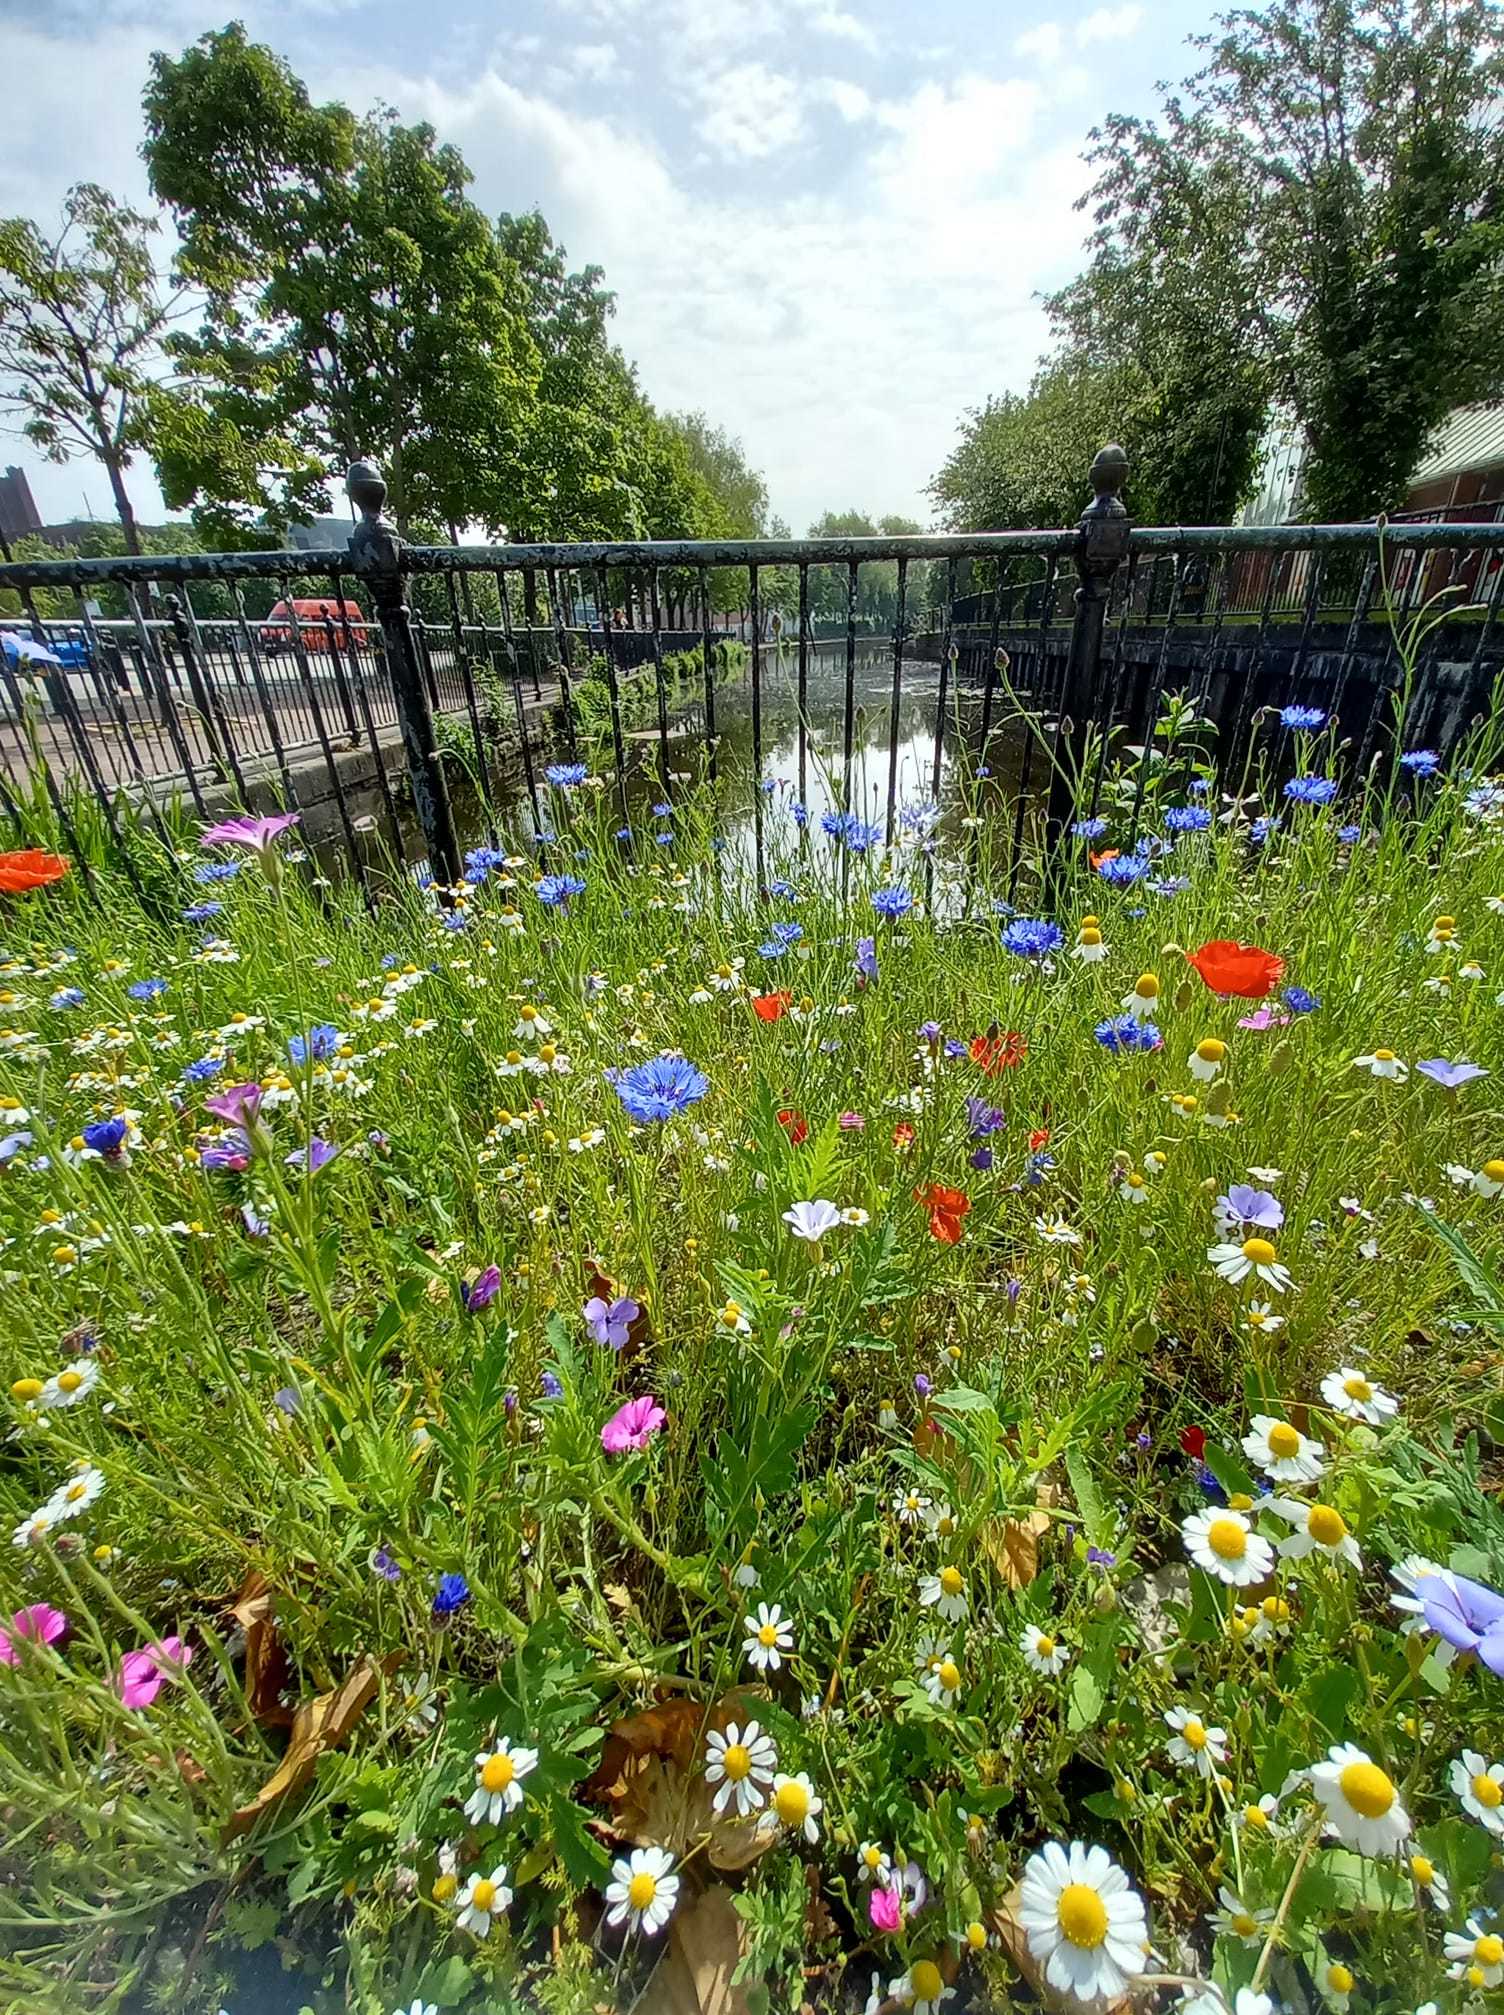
{"points": [[367, 488], [1109, 471]]}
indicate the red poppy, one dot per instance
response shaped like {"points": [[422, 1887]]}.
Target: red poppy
{"points": [[995, 1052], [1039, 1138], [31, 869], [947, 1209], [1243, 970], [794, 1124], [903, 1135], [1193, 1441], [771, 1007]]}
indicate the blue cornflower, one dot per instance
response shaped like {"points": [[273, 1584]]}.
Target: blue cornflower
{"points": [[623, 833], [544, 837], [1124, 1033], [783, 889], [321, 1042], [484, 858], [1260, 830], [1311, 790], [788, 933], [660, 1088], [1420, 762], [768, 786], [105, 1136], [67, 997], [1037, 1167], [955, 1048], [1349, 835], [771, 949], [919, 818], [800, 814], [454, 920], [832, 824], [388, 961], [1484, 801], [983, 1119], [551, 1385], [930, 1032], [216, 871], [1089, 829], [866, 958], [1170, 885], [1302, 717], [381, 1563], [452, 1593], [204, 1071], [663, 811], [200, 913], [862, 838], [663, 839], [981, 1158], [144, 990], [555, 890], [892, 903], [1198, 787], [1187, 819], [566, 775], [1124, 870], [1032, 937], [1298, 1001]]}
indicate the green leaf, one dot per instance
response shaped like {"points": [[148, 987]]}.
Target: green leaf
{"points": [[586, 1862], [446, 1984], [1087, 1700], [1327, 1695], [1229, 1472], [377, 1821], [1088, 1499]]}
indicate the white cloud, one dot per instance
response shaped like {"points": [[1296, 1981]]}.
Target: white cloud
{"points": [[1043, 43], [1110, 24], [596, 60], [750, 111], [849, 99]]}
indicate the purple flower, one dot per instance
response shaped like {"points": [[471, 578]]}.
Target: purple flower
{"points": [[106, 1137], [233, 1152], [1099, 1556], [249, 832], [1252, 1206], [482, 1291], [866, 958], [381, 1563], [256, 1225], [981, 1158], [452, 1593], [554, 891], [983, 1119], [1450, 1075], [610, 1321], [1466, 1614], [315, 1156], [930, 1032], [236, 1105], [551, 1385], [921, 1385]]}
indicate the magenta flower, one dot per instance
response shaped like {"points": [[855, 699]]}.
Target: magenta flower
{"points": [[632, 1426], [41, 1623], [236, 1105], [248, 831], [144, 1673], [884, 1908], [482, 1291], [1264, 1017]]}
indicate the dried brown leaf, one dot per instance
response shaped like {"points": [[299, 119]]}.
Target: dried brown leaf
{"points": [[704, 1949], [318, 1725], [266, 1662]]}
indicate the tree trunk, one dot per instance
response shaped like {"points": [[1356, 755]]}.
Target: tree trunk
{"points": [[123, 509]]}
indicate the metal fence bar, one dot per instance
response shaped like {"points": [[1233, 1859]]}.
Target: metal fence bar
{"points": [[503, 589], [895, 700], [660, 690], [803, 690], [757, 790]]}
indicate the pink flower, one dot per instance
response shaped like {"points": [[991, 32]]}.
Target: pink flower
{"points": [[143, 1673], [632, 1426], [248, 832], [1264, 1017], [884, 1908], [237, 1104], [851, 1122], [41, 1623]]}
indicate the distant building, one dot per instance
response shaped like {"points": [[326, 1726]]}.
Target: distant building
{"points": [[322, 535], [19, 516], [1460, 477]]}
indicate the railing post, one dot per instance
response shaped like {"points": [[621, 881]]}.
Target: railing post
{"points": [[376, 553], [1101, 543]]}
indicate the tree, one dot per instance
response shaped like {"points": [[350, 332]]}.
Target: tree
{"points": [[877, 580], [736, 491], [82, 322], [357, 302], [1349, 158]]}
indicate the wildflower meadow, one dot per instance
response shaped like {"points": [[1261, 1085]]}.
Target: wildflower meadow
{"points": [[619, 1436]]}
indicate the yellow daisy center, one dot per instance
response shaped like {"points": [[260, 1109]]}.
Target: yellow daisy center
{"points": [[444, 1887], [1284, 1441], [873, 1857], [1258, 1251], [1488, 1791], [950, 1581], [737, 1761], [1146, 986], [791, 1802], [1194, 1733], [1367, 1789], [69, 1381], [26, 1388], [1383, 1056], [641, 1890], [1082, 1915], [1090, 935], [1489, 1950], [1256, 1817], [1423, 1869], [483, 1895], [1211, 1050], [1445, 923], [1339, 1978], [1326, 1525], [1044, 1646], [1357, 1388], [976, 1936], [497, 1772], [950, 1679], [1243, 1924], [1276, 1609], [527, 1014], [1135, 1180], [924, 1978], [1227, 1538], [767, 1636], [1494, 1170]]}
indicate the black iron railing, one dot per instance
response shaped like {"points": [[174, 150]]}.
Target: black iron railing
{"points": [[387, 671]]}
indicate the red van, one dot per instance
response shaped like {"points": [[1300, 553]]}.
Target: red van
{"points": [[318, 618]]}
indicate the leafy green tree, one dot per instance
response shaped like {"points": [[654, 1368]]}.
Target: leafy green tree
{"points": [[82, 323], [357, 302], [877, 580], [1346, 163]]}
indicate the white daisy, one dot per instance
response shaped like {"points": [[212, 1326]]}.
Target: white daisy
{"points": [[1487, 1181], [483, 1898], [1089, 947], [1336, 1982], [69, 1386], [911, 1507], [1383, 1063], [1479, 1785], [1348, 1392], [1259, 1817], [1226, 1545], [1477, 1955], [1236, 1920], [531, 1027], [1362, 1805], [1143, 1002], [1084, 1923], [643, 1890], [940, 1522], [922, 1988], [946, 1592], [1255, 1256], [873, 1864], [73, 1498], [1282, 1451], [1042, 1651], [1134, 1187], [1206, 1059], [498, 1782], [1431, 1883], [1193, 1745], [943, 1684], [742, 1764], [1319, 1528], [1259, 1317], [796, 1804], [769, 1635]]}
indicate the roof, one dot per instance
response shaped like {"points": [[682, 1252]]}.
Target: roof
{"points": [[1470, 438]]}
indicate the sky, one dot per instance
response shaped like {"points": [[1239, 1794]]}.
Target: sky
{"points": [[827, 222]]}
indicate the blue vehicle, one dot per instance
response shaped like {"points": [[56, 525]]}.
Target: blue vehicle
{"points": [[70, 654]]}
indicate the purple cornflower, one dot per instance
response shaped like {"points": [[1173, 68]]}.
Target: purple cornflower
{"points": [[980, 1158], [983, 1119], [232, 1153], [922, 1385], [929, 1032], [452, 1593], [1125, 1032], [866, 958], [1099, 1556], [288, 1400], [610, 1321], [555, 890], [1248, 1206], [551, 1386], [1450, 1075], [482, 1291], [318, 1154]]}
